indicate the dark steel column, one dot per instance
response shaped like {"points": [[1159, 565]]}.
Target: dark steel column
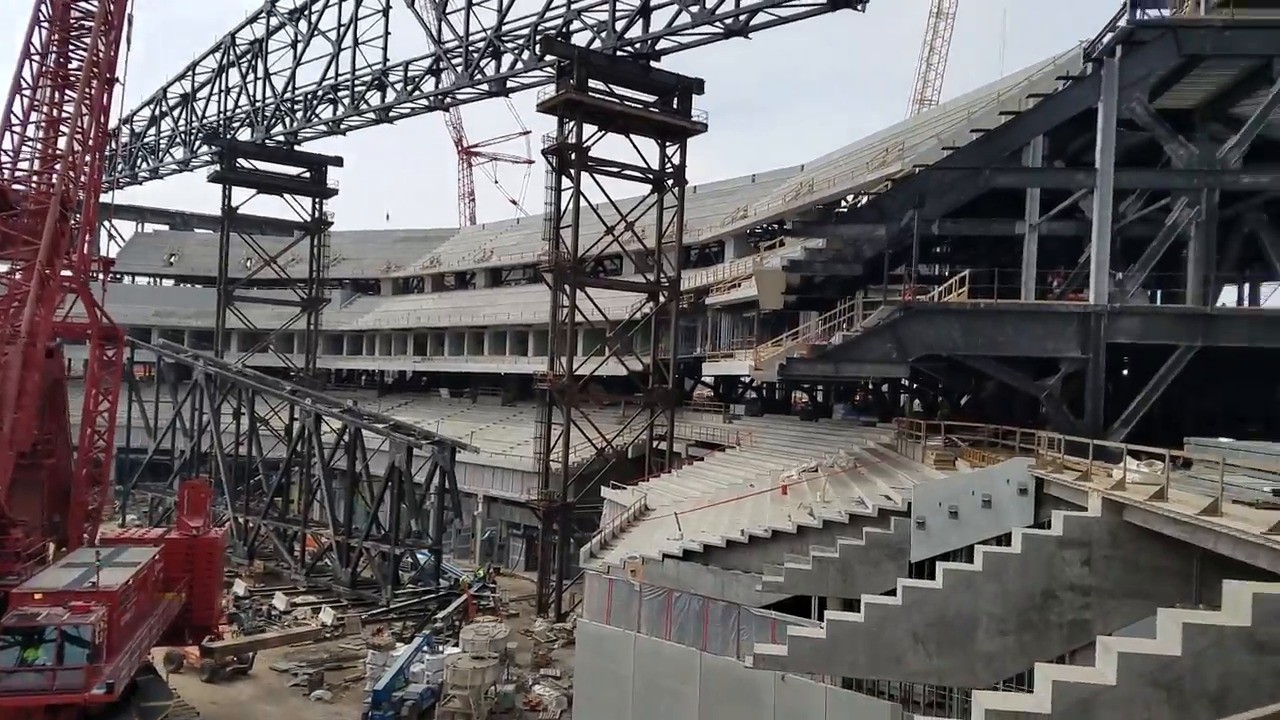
{"points": [[1032, 156]]}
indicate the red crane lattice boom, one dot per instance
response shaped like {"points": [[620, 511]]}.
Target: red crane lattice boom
{"points": [[53, 139], [479, 155]]}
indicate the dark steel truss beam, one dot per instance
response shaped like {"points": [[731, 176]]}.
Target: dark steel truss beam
{"points": [[1262, 178], [322, 67], [317, 488], [185, 220], [619, 122], [954, 227]]}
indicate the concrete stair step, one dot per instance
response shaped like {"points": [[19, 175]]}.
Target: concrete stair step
{"points": [[1125, 667], [986, 646]]}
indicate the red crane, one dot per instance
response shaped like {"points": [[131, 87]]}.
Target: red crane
{"points": [[73, 635], [480, 155]]}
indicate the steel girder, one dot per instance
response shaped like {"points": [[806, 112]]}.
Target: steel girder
{"points": [[316, 487], [620, 124], [322, 67], [185, 220]]}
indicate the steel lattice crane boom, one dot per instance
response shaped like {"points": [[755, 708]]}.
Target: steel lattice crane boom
{"points": [[74, 638], [931, 69], [53, 139], [479, 155]]}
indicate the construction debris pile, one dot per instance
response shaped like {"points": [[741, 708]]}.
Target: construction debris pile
{"points": [[487, 674], [467, 649]]}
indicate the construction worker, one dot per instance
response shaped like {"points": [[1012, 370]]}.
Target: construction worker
{"points": [[33, 654]]}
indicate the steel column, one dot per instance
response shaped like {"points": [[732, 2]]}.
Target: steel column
{"points": [[1032, 156], [1104, 183], [1201, 250]]}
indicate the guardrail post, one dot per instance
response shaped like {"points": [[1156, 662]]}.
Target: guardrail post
{"points": [[1163, 493], [1222, 482], [1089, 466]]}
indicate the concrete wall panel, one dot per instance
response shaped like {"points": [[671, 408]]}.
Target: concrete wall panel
{"points": [[666, 681], [798, 697], [620, 675], [603, 683], [966, 508], [732, 692], [845, 705]]}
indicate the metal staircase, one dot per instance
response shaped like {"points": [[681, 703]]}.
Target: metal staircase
{"points": [[848, 319]]}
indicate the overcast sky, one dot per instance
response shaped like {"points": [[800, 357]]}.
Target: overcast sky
{"points": [[780, 98]]}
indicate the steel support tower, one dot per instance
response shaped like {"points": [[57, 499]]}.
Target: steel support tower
{"points": [[610, 389], [289, 272]]}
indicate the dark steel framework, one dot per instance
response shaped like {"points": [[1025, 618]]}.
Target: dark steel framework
{"points": [[294, 268], [322, 490], [323, 68], [1152, 189], [620, 123]]}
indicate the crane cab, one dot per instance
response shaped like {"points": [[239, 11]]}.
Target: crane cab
{"points": [[77, 631], [55, 650]]}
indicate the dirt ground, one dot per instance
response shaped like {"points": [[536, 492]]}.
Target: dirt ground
{"points": [[248, 697], [264, 692]]}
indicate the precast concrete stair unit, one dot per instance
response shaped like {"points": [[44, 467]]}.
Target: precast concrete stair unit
{"points": [[1201, 665], [1049, 592], [870, 564], [793, 475]]}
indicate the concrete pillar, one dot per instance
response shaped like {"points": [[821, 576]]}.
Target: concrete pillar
{"points": [[1032, 156], [1104, 183], [734, 248]]}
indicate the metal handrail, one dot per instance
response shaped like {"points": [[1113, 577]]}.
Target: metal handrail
{"points": [[1080, 454]]}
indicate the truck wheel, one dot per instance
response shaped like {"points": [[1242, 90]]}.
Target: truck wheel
{"points": [[244, 663], [173, 661], [208, 671]]}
